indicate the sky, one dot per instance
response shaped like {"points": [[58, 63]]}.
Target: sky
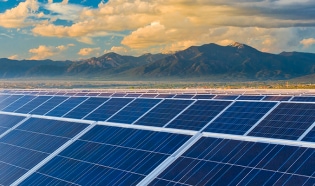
{"points": [[80, 29]]}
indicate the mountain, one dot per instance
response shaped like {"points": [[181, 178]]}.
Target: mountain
{"points": [[233, 62]]}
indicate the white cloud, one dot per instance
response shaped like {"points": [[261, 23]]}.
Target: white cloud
{"points": [[308, 42], [89, 51], [44, 52], [13, 57]]}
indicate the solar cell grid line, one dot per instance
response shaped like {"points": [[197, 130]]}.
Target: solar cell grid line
{"points": [[304, 99], [9, 101], [122, 162], [198, 115], [240, 117], [163, 112], [51, 156], [203, 96], [50, 104], [309, 134], [19, 103], [3, 97], [31, 142], [33, 104], [277, 98], [85, 107], [226, 97], [153, 107], [108, 109], [287, 121], [66, 106], [120, 109], [9, 123]]}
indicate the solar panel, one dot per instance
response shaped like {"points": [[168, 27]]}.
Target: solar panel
{"points": [[3, 97], [31, 142], [310, 136], [287, 121], [66, 106], [48, 105], [105, 94], [8, 121], [184, 96], [134, 110], [9, 101], [109, 156], [198, 115], [85, 108], [165, 96], [277, 98], [108, 109], [33, 104], [304, 98], [240, 117], [163, 112], [226, 97], [247, 97], [213, 161], [118, 95], [203, 96], [18, 103], [133, 95], [148, 95]]}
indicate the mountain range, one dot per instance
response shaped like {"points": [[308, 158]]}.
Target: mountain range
{"points": [[232, 62]]}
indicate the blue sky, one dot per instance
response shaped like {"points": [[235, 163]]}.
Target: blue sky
{"points": [[79, 29]]}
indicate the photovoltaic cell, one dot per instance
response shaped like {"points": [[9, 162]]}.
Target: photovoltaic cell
{"points": [[184, 96], [30, 143], [163, 113], [198, 115], [3, 97], [277, 98], [48, 105], [304, 98], [214, 161], [165, 96], [310, 136], [148, 95], [19, 103], [118, 95], [226, 97], [287, 121], [203, 96], [247, 97], [66, 106], [134, 110], [240, 117], [109, 156], [32, 104], [8, 121], [86, 107], [133, 95], [108, 109], [9, 101]]}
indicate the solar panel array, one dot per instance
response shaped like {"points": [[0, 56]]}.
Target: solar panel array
{"points": [[151, 138]]}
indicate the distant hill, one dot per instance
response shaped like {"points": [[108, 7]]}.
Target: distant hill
{"points": [[236, 61]]}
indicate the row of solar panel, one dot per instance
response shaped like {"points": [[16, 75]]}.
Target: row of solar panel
{"points": [[178, 96], [107, 155], [286, 121]]}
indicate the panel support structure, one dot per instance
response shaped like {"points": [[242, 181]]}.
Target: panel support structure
{"points": [[306, 132]]}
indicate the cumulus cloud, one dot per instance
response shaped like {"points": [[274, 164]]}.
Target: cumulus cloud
{"points": [[18, 16], [89, 51], [308, 42], [13, 57], [44, 52]]}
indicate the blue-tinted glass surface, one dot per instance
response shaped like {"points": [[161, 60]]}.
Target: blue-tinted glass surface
{"points": [[184, 96], [19, 103], [134, 110], [277, 98], [105, 94], [304, 98], [48, 105], [108, 109], [85, 108], [287, 121], [9, 101], [3, 97], [93, 94], [33, 104], [148, 95], [30, 143], [226, 97], [118, 95], [8, 121], [212, 161], [133, 95], [203, 96], [66, 106], [310, 136], [110, 156], [163, 113], [198, 115], [165, 96], [247, 97], [239, 117]]}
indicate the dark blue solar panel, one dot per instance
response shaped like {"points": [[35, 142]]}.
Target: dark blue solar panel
{"points": [[226, 97], [3, 97], [19, 103], [165, 96], [133, 95], [304, 98], [310, 136], [86, 107], [9, 101], [287, 121], [247, 97], [105, 94], [148, 95], [8, 121], [108, 109], [118, 95], [93, 94], [33, 104], [240, 117], [30, 143], [134, 110], [277, 98], [198, 115], [66, 106], [203, 96], [184, 96], [48, 105], [163, 113], [109, 156], [229, 162]]}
